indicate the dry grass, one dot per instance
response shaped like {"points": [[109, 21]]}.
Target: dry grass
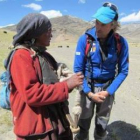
{"points": [[5, 43], [134, 44], [5, 121], [118, 130]]}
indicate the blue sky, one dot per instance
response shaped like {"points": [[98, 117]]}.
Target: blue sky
{"points": [[11, 11]]}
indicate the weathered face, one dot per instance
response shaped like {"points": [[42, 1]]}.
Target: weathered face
{"points": [[44, 39], [102, 30]]}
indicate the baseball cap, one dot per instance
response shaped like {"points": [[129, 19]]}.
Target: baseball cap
{"points": [[107, 13]]}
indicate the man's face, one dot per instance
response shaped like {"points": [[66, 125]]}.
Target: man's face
{"points": [[102, 30]]}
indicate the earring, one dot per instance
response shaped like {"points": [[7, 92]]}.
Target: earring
{"points": [[33, 41]]}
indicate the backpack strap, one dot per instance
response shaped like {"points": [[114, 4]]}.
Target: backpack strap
{"points": [[33, 55], [8, 60], [10, 55], [118, 44], [89, 42], [36, 62], [38, 68]]}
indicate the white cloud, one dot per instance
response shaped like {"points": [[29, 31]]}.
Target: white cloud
{"points": [[7, 25], [65, 10], [122, 14], [33, 6], [134, 17], [2, 0], [82, 1], [134, 10], [51, 13]]}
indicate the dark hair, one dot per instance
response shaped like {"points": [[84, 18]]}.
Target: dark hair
{"points": [[116, 25]]}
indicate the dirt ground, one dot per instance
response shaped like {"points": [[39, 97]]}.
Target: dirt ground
{"points": [[124, 123]]}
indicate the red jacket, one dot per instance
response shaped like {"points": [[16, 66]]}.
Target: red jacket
{"points": [[29, 98]]}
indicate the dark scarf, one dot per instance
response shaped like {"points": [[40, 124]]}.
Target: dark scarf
{"points": [[104, 46], [48, 66], [56, 111]]}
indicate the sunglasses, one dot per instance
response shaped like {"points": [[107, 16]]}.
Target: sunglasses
{"points": [[112, 6]]}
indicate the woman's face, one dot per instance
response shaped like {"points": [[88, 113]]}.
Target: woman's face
{"points": [[44, 39]]}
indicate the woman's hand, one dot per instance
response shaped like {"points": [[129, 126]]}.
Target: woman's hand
{"points": [[75, 80]]}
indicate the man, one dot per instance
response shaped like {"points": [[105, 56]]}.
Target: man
{"points": [[101, 76]]}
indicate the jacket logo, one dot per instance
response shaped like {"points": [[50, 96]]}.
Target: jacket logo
{"points": [[93, 49]]}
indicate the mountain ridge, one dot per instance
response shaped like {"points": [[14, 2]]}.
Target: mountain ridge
{"points": [[68, 29]]}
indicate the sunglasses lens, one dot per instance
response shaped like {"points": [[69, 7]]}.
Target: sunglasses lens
{"points": [[112, 6], [105, 4]]}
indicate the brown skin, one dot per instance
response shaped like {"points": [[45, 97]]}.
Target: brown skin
{"points": [[102, 31], [77, 78], [44, 39]]}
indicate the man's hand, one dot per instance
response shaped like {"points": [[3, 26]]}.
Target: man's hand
{"points": [[98, 97], [104, 93]]}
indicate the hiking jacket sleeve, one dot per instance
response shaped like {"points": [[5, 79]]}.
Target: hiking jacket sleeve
{"points": [[80, 64], [27, 85], [123, 67], [80, 61]]}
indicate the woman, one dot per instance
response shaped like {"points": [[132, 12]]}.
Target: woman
{"points": [[37, 97]]}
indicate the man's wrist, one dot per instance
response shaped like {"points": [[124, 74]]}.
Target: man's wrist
{"points": [[106, 93], [90, 95]]}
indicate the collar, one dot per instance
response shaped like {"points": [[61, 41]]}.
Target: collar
{"points": [[106, 40], [39, 49], [92, 32]]}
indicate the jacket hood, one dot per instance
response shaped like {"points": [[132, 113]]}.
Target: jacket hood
{"points": [[91, 32]]}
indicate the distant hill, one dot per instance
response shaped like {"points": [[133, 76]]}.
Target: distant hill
{"points": [[11, 28], [67, 29], [131, 32]]}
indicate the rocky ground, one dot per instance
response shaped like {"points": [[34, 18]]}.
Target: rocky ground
{"points": [[124, 123]]}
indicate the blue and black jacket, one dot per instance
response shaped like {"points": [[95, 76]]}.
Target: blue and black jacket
{"points": [[102, 70]]}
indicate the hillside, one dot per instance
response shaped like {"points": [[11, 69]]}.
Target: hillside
{"points": [[131, 31], [124, 123], [5, 43], [67, 29]]}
